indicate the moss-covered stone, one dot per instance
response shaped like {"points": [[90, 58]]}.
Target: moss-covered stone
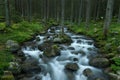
{"points": [[8, 76]]}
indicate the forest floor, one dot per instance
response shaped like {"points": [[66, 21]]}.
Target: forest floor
{"points": [[24, 31]]}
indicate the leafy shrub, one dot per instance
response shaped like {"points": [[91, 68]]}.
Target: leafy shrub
{"points": [[116, 65], [2, 26]]}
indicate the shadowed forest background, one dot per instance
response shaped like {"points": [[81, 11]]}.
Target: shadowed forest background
{"points": [[22, 20]]}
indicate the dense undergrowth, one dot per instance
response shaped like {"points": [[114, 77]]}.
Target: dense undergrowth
{"points": [[24, 31]]}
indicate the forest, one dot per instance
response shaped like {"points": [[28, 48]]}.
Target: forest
{"points": [[59, 39]]}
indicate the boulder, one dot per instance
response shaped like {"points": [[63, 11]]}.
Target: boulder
{"points": [[87, 72], [13, 46], [72, 66], [99, 62], [30, 66], [52, 51], [71, 48], [45, 45], [37, 39], [57, 40], [31, 45], [99, 79], [114, 76], [14, 67], [7, 76], [62, 39]]}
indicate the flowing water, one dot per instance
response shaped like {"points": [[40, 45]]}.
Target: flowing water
{"points": [[54, 68]]}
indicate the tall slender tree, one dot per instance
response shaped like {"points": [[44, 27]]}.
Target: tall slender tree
{"points": [[29, 10], [72, 7], [88, 7], [119, 15], [109, 11], [62, 15], [80, 12], [7, 11]]}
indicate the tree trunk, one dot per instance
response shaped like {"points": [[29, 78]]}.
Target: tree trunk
{"points": [[108, 17], [87, 13], [29, 10], [62, 15], [7, 11], [98, 10], [119, 15], [72, 7], [80, 12]]}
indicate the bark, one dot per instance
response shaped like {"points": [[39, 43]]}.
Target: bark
{"points": [[98, 10], [119, 15], [7, 11], [72, 7], [29, 10], [108, 17], [88, 13], [80, 12], [62, 15]]}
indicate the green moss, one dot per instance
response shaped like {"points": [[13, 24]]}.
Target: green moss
{"points": [[8, 77]]}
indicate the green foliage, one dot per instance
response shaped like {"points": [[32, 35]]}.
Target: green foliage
{"points": [[21, 31], [2, 26], [8, 77], [116, 65], [16, 18], [5, 58]]}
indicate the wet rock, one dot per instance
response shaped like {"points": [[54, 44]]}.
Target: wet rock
{"points": [[7, 76], [31, 45], [13, 46], [75, 59], [90, 43], [14, 67], [38, 78], [99, 79], [79, 41], [45, 45], [90, 49], [21, 55], [52, 51], [30, 66], [37, 39], [114, 76], [79, 52], [57, 40], [71, 48], [62, 39], [72, 66], [87, 72], [99, 62]]}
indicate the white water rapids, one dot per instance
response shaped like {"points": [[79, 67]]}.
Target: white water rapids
{"points": [[54, 68]]}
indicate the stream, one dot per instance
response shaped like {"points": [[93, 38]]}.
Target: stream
{"points": [[79, 52]]}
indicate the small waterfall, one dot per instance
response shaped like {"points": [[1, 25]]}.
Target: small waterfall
{"points": [[77, 52]]}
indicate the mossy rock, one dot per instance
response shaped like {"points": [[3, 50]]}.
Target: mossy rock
{"points": [[7, 76], [62, 38], [52, 51]]}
